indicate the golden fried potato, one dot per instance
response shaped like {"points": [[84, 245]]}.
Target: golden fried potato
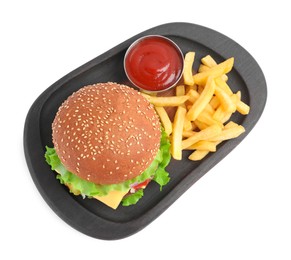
{"points": [[205, 103], [188, 64], [214, 72], [202, 100], [176, 144], [171, 101]]}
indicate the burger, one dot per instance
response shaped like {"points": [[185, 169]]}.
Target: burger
{"points": [[108, 144]]}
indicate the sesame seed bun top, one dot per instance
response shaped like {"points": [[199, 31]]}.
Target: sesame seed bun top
{"points": [[106, 133]]}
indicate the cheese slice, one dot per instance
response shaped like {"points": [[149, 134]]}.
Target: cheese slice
{"points": [[113, 198]]}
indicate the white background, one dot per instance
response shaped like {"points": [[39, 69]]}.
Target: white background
{"points": [[238, 210]]}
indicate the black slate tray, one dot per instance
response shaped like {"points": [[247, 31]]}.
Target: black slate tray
{"points": [[92, 217]]}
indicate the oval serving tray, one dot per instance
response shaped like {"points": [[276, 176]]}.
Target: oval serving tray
{"points": [[92, 217]]}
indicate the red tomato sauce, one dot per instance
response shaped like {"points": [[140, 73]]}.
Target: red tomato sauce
{"points": [[154, 63]]}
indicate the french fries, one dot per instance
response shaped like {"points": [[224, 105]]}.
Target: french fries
{"points": [[209, 62], [227, 134], [205, 134], [202, 100], [203, 146], [176, 145], [180, 91], [166, 101], [225, 100], [198, 155], [204, 106], [188, 64], [166, 122], [215, 72]]}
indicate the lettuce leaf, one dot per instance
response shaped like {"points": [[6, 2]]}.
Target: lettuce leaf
{"points": [[161, 175], [77, 186], [132, 198]]}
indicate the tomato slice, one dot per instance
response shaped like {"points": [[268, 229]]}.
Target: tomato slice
{"points": [[141, 185]]}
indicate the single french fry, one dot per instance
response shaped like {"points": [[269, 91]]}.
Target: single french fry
{"points": [[188, 64], [228, 133], [225, 100], [197, 155], [205, 134], [230, 124], [202, 101], [242, 108], [223, 85], [193, 96], [171, 101], [180, 91], [203, 146], [200, 154], [166, 122], [215, 72], [176, 144], [209, 62]]}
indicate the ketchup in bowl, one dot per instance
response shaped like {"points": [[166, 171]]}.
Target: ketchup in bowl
{"points": [[154, 63]]}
